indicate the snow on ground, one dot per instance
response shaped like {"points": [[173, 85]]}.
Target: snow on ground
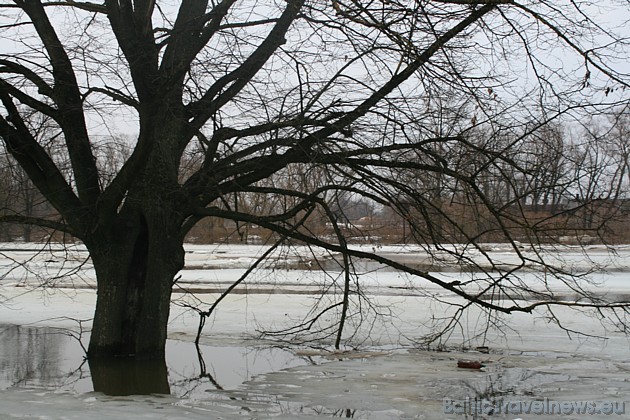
{"points": [[529, 360]]}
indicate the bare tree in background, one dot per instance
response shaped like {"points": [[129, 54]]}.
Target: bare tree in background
{"points": [[260, 87], [21, 200], [618, 148]]}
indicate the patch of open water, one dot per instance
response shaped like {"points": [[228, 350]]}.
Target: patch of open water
{"points": [[54, 359], [261, 382]]}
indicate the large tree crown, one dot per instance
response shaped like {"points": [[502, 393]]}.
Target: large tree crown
{"points": [[245, 89]]}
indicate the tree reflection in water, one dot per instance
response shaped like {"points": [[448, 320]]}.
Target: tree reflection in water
{"points": [[39, 357], [128, 376], [53, 359]]}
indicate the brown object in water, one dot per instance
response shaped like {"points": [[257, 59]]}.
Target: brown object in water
{"points": [[469, 364]]}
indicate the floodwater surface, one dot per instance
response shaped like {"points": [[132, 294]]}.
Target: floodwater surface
{"points": [[260, 382], [54, 359]]}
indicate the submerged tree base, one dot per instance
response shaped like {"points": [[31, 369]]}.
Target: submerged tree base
{"points": [[129, 376]]}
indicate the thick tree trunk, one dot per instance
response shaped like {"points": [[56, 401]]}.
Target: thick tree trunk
{"points": [[135, 262], [137, 251], [135, 268]]}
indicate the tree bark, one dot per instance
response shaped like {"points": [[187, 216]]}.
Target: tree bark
{"points": [[136, 261], [135, 264]]}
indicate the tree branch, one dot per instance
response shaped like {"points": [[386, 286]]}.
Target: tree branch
{"points": [[38, 165], [29, 100], [35, 221], [211, 101], [12, 67], [67, 96], [115, 94], [191, 31]]}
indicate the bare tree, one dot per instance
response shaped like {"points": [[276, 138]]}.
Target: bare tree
{"points": [[619, 149], [20, 200], [261, 87]]}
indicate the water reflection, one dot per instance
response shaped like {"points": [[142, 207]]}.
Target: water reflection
{"points": [[193, 374], [41, 358], [48, 358], [490, 395], [127, 376]]}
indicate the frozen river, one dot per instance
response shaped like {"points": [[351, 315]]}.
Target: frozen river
{"points": [[382, 375]]}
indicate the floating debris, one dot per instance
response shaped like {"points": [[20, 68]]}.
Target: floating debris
{"points": [[469, 364]]}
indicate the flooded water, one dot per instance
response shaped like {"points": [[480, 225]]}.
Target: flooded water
{"points": [[54, 359], [260, 382], [43, 373], [46, 358]]}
